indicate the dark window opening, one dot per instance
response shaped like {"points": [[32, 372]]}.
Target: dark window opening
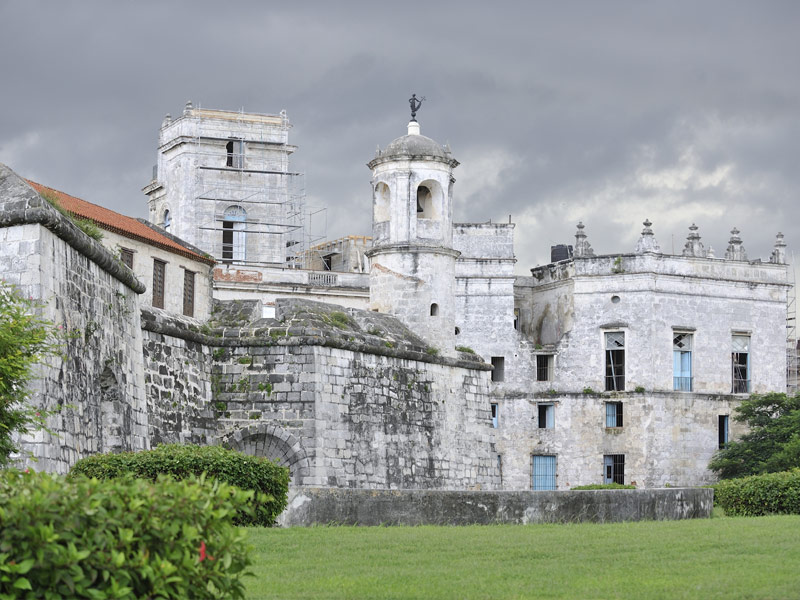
{"points": [[516, 319], [615, 361], [547, 416], [740, 363], [126, 256], [498, 373], [458, 330], [227, 240], [614, 468], [723, 431], [327, 262], [495, 416], [159, 270], [167, 220], [423, 199], [544, 367], [434, 309], [188, 293], [235, 151], [613, 414]]}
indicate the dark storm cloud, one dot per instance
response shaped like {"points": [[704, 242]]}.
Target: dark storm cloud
{"points": [[608, 112]]}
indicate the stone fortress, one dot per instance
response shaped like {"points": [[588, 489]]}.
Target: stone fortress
{"points": [[411, 359]]}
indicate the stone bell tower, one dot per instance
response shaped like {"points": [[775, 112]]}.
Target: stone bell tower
{"points": [[412, 272]]}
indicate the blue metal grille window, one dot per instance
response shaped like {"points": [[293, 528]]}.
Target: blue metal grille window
{"points": [[544, 472], [613, 414], [682, 362], [614, 468], [740, 364]]}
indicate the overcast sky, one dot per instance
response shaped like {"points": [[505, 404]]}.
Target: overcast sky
{"points": [[606, 112]]}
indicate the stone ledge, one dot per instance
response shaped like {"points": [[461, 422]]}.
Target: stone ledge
{"points": [[20, 204], [321, 506]]}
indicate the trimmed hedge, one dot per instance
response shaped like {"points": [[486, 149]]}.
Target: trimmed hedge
{"points": [[269, 480], [604, 486], [126, 538], [771, 493]]}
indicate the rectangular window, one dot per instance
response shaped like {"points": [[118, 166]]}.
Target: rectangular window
{"points": [[159, 269], [740, 363], [544, 367], [499, 364], [516, 319], [547, 416], [723, 431], [543, 472], [615, 361], [500, 466], [126, 256], [495, 415], [614, 468], [613, 414], [235, 154], [682, 362], [188, 293]]}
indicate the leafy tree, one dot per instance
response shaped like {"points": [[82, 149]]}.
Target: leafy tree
{"points": [[771, 445], [25, 339]]}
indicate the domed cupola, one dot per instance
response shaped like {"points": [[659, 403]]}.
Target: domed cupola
{"points": [[412, 273]]}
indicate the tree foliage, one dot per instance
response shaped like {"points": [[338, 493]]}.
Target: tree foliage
{"points": [[771, 445], [25, 338]]}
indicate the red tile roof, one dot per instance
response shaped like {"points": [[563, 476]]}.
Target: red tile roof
{"points": [[117, 223]]}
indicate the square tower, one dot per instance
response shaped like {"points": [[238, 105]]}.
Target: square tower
{"points": [[222, 183]]}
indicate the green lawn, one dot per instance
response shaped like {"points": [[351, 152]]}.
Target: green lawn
{"points": [[727, 558]]}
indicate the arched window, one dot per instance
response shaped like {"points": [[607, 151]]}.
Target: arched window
{"points": [[434, 309], [233, 234], [429, 200], [167, 220], [382, 211]]}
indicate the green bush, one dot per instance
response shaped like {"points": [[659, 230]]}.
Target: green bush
{"points": [[127, 538], [269, 480], [771, 493], [604, 486]]}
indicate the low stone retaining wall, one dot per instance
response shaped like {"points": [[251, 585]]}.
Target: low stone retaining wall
{"points": [[321, 506]]}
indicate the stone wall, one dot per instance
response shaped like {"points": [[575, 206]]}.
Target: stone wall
{"points": [[318, 506], [345, 398], [95, 388]]}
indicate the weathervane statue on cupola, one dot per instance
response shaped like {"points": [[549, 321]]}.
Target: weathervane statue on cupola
{"points": [[415, 104]]}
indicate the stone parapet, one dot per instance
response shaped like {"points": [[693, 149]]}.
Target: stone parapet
{"points": [[322, 506]]}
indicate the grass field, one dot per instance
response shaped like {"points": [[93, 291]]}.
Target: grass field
{"points": [[727, 558]]}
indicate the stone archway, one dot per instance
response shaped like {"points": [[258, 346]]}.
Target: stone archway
{"points": [[273, 442]]}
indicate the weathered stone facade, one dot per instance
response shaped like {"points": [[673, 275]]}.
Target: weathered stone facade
{"points": [[461, 376], [96, 386]]}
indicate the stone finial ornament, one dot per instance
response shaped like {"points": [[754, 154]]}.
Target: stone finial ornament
{"points": [[735, 249], [647, 243], [167, 120], [694, 247], [188, 107], [778, 255], [710, 252], [582, 246]]}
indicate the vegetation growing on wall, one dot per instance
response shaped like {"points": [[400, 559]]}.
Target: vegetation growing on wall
{"points": [[772, 443], [88, 227], [25, 339]]}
